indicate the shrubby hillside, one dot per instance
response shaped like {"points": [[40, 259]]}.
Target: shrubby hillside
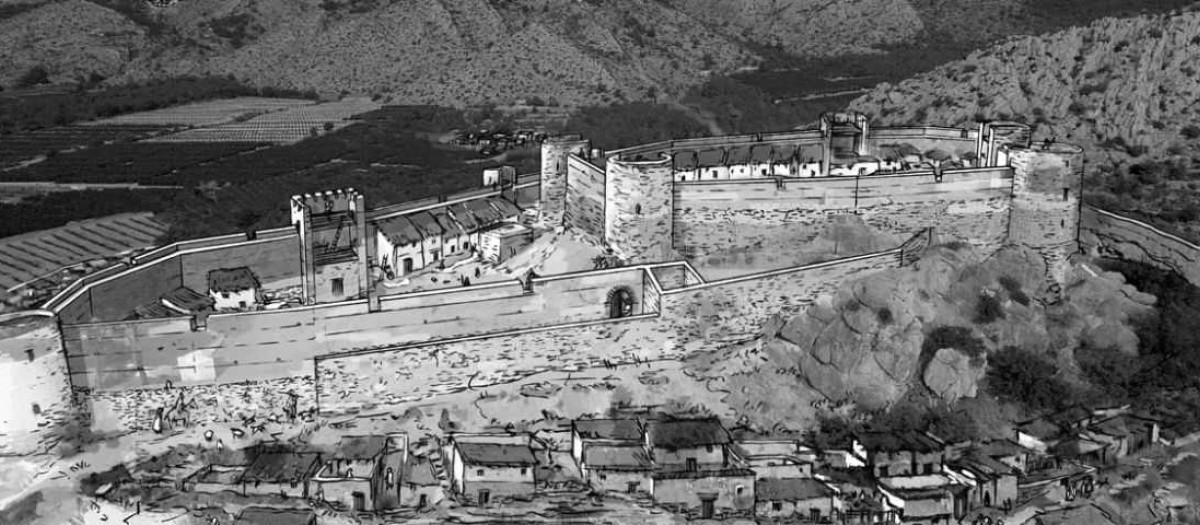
{"points": [[1125, 89], [468, 51]]}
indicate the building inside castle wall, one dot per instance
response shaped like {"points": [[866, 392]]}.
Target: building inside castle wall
{"points": [[585, 197]]}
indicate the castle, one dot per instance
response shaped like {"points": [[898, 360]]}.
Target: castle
{"points": [[802, 212]]}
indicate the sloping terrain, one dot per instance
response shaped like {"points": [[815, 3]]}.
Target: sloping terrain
{"points": [[1130, 83]]}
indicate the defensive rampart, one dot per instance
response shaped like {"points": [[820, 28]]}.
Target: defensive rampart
{"points": [[112, 295], [229, 348], [1110, 235], [691, 319], [780, 221]]}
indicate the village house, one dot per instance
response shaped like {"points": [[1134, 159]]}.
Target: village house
{"points": [[623, 468], [708, 493], [398, 246], [285, 474], [1124, 434], [486, 468], [431, 234], [234, 288], [469, 223], [803, 498], [861, 500], [900, 453], [993, 483], [421, 487], [605, 432], [688, 444], [502, 242], [362, 473], [933, 499], [774, 458]]}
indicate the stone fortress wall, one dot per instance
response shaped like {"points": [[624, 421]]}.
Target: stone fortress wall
{"points": [[356, 354]]}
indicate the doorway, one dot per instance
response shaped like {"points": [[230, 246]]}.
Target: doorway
{"points": [[620, 303], [408, 265], [485, 496], [422, 501], [360, 501], [708, 507]]}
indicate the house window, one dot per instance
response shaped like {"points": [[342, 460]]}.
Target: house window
{"points": [[37, 409], [224, 295], [241, 304], [338, 287], [524, 471], [883, 471], [691, 465], [603, 477], [29, 355], [740, 490], [776, 506], [714, 174], [708, 448], [479, 472]]}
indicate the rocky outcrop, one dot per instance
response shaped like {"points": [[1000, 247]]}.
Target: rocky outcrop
{"points": [[929, 326], [951, 375]]}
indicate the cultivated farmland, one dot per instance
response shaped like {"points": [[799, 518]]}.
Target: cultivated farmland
{"points": [[20, 147], [32, 255], [139, 162], [209, 113], [280, 127]]}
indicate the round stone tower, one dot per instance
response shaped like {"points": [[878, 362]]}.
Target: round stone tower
{"points": [[638, 209], [36, 386], [1047, 181], [553, 201]]}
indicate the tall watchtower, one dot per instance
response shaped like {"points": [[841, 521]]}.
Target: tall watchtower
{"points": [[639, 208], [553, 201], [1047, 182], [333, 245], [843, 134]]}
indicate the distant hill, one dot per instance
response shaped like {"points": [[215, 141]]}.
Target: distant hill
{"points": [[1128, 90], [454, 52]]}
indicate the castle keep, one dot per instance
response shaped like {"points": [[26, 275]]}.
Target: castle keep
{"points": [[715, 234]]}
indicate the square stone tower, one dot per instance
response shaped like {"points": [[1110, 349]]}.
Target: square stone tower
{"points": [[333, 245]]}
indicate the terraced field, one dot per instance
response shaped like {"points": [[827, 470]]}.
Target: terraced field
{"points": [[127, 162], [22, 147], [29, 256], [280, 127], [209, 113]]}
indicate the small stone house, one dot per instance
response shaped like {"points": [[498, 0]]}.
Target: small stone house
{"points": [[421, 488], [234, 288], [362, 473], [606, 432], [624, 468], [803, 498], [900, 453], [688, 444], [706, 493], [485, 469]]}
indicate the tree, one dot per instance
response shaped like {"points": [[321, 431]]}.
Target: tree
{"points": [[1020, 376]]}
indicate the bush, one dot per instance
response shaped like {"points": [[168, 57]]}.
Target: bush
{"points": [[36, 75], [1020, 376], [988, 309], [1015, 292], [1190, 131]]}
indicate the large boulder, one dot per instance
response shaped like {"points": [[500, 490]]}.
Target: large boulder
{"points": [[951, 375]]}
